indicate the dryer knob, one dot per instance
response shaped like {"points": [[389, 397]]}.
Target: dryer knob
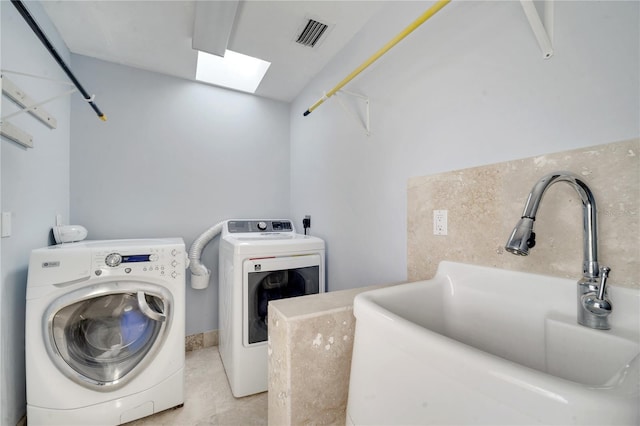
{"points": [[262, 226], [113, 260]]}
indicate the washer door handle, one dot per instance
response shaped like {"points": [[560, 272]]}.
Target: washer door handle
{"points": [[146, 309]]}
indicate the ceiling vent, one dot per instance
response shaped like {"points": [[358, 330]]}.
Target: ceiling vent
{"points": [[311, 33]]}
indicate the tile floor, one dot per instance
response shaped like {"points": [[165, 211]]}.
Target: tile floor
{"points": [[208, 398]]}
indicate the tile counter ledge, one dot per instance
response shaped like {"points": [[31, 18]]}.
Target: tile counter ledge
{"points": [[310, 346]]}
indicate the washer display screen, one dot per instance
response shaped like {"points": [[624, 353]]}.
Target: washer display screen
{"points": [[136, 258]]}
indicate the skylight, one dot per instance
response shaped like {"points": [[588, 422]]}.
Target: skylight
{"points": [[235, 70]]}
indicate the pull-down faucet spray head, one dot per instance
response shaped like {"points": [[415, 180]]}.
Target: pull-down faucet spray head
{"points": [[522, 238]]}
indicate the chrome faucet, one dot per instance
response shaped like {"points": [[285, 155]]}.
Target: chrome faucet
{"points": [[593, 306]]}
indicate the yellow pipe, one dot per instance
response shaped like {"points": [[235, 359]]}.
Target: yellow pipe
{"points": [[415, 24]]}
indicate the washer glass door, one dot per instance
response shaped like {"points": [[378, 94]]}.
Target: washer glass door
{"points": [[103, 338], [269, 279]]}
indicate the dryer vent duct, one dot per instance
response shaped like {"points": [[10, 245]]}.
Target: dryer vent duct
{"points": [[200, 274], [311, 33]]}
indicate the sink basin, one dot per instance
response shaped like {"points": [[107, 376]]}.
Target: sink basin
{"points": [[478, 345]]}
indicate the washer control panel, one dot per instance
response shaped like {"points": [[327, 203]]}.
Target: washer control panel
{"points": [[261, 226], [161, 262]]}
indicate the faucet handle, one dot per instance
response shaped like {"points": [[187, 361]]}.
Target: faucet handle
{"points": [[595, 301], [604, 274]]}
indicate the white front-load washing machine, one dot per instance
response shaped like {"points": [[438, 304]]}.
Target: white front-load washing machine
{"points": [[259, 261], [105, 331]]}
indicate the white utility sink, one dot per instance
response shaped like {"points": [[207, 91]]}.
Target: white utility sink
{"points": [[479, 345]]}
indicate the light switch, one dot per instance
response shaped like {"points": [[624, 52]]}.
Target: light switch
{"points": [[6, 224]]}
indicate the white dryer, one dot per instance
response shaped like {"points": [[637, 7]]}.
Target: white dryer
{"points": [[105, 330], [259, 261]]}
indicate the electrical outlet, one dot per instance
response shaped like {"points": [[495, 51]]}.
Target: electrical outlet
{"points": [[439, 222]]}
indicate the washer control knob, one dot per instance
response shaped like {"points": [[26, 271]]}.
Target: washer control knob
{"points": [[174, 263], [262, 226], [174, 252], [113, 260], [174, 274]]}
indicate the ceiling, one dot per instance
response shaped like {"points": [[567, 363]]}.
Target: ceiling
{"points": [[157, 35]]}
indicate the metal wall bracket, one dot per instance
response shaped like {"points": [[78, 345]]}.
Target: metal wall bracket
{"points": [[17, 95], [357, 115], [12, 132], [542, 32], [27, 105]]}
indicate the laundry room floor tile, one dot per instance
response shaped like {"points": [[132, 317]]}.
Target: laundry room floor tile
{"points": [[208, 398]]}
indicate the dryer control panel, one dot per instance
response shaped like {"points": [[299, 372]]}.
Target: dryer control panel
{"points": [[162, 262], [260, 226]]}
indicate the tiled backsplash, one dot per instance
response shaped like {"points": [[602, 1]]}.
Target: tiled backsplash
{"points": [[484, 204], [197, 341]]}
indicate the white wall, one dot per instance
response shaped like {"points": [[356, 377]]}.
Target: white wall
{"points": [[174, 158], [467, 88], [35, 187]]}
